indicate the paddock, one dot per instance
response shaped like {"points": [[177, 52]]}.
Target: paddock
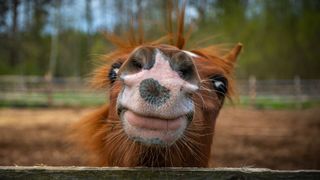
{"points": [[244, 137]]}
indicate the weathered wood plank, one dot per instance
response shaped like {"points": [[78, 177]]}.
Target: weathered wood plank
{"points": [[44, 172]]}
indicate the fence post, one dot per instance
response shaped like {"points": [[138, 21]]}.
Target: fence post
{"points": [[252, 90], [48, 89], [298, 92]]}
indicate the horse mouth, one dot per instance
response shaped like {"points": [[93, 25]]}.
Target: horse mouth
{"points": [[153, 130]]}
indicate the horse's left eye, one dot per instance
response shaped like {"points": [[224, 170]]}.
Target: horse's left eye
{"points": [[113, 73], [220, 84]]}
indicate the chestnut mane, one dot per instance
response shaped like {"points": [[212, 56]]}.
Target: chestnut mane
{"points": [[101, 132]]}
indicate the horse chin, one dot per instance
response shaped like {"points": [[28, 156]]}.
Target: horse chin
{"points": [[153, 130]]}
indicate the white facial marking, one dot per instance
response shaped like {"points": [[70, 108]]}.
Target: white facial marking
{"points": [[162, 72], [176, 107]]}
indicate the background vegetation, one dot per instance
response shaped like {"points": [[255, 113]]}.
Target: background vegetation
{"points": [[62, 38], [280, 37]]}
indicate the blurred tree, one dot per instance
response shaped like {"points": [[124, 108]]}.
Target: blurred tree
{"points": [[54, 41], [4, 8], [279, 37], [14, 36], [88, 43], [36, 44]]}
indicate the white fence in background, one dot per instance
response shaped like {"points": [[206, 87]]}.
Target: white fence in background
{"points": [[18, 86]]}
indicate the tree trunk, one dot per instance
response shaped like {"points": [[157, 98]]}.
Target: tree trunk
{"points": [[14, 50]]}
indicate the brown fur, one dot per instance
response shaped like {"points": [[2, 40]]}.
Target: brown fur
{"points": [[101, 132]]}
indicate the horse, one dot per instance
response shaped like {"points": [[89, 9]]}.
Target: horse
{"points": [[163, 102]]}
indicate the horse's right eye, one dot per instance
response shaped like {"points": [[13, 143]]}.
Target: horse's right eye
{"points": [[113, 73], [220, 85]]}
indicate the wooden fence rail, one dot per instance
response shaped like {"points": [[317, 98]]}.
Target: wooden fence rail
{"points": [[43, 172], [72, 90]]}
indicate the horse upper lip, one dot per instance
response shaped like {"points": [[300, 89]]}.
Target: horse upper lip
{"points": [[122, 109]]}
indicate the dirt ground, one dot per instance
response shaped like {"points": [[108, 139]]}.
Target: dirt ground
{"points": [[276, 139]]}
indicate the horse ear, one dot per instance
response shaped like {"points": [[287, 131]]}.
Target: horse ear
{"points": [[233, 54]]}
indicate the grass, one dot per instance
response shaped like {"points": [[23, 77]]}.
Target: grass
{"points": [[277, 102], [59, 99]]}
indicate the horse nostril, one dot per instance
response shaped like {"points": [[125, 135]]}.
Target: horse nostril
{"points": [[153, 92]]}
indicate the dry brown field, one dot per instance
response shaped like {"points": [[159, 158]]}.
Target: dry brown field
{"points": [[244, 137]]}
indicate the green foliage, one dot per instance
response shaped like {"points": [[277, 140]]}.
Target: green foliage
{"points": [[278, 103], [280, 37]]}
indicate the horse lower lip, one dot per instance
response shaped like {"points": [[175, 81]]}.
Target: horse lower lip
{"points": [[152, 123]]}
